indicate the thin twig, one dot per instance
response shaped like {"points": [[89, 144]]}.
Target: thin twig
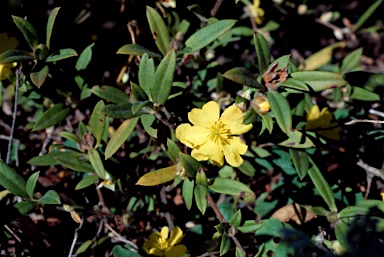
{"points": [[375, 112], [13, 116], [216, 7], [365, 121], [371, 172], [75, 237], [120, 238]]}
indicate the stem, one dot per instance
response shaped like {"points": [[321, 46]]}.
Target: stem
{"points": [[216, 7], [222, 219], [13, 117]]}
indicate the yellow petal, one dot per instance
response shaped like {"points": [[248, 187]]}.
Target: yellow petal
{"points": [[233, 118], [176, 236], [209, 151], [175, 251], [206, 116], [314, 113], [233, 150], [191, 136], [256, 3], [164, 232], [151, 247], [5, 70]]}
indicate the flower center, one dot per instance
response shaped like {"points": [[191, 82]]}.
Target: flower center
{"points": [[219, 133], [163, 244]]}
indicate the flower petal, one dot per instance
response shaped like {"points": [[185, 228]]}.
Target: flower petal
{"points": [[176, 236], [152, 247], [206, 116], [233, 150], [233, 118], [209, 151], [175, 251], [314, 113], [164, 232], [191, 136]]}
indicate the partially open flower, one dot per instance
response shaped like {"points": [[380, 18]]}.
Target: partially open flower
{"points": [[261, 104], [255, 11], [159, 244], [7, 44], [212, 137], [322, 123]]}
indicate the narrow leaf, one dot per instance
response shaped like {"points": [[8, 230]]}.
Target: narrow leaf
{"points": [[296, 139], [190, 164], [262, 51], [135, 49], [29, 32], [201, 193], [121, 111], [225, 244], [51, 117], [294, 84], [51, 21], [111, 94], [320, 80], [147, 75], [300, 161], [139, 93], [25, 206], [208, 34], [173, 150], [86, 182], [50, 197], [187, 192], [250, 226], [38, 78], [243, 76], [15, 55], [73, 161], [163, 79], [322, 186], [84, 58], [61, 54], [368, 13], [70, 136], [230, 187], [236, 219], [31, 184], [120, 136], [157, 177], [97, 164], [147, 121], [351, 61], [159, 30], [97, 122], [282, 111], [363, 94]]}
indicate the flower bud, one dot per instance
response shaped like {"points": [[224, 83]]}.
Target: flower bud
{"points": [[261, 104]]}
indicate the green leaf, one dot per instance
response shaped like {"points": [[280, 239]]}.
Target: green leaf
{"points": [[247, 168], [201, 193], [51, 21], [31, 184], [320, 80], [147, 121], [84, 246], [300, 161], [135, 49], [250, 226], [137, 106], [24, 207], [349, 212], [208, 34], [119, 251], [267, 123], [236, 219], [51, 117], [368, 13], [70, 136], [163, 79], [138, 92], [190, 164], [97, 122], [61, 54], [201, 178], [318, 210], [363, 94], [296, 139], [243, 76], [282, 62], [225, 244], [230, 187], [187, 192], [351, 61], [159, 176], [120, 136], [294, 84], [49, 159], [73, 161], [97, 164], [29, 32], [111, 94], [159, 30], [322, 186], [86, 182], [50, 197], [239, 253], [282, 111], [84, 58], [38, 77], [147, 75], [262, 51], [173, 150], [341, 230], [121, 111], [15, 55]]}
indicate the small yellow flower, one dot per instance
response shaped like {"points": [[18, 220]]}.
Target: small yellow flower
{"points": [[261, 104], [212, 137], [256, 12], [322, 120], [7, 44], [160, 245]]}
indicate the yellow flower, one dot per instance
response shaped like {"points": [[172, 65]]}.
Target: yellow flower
{"points": [[322, 120], [7, 44], [256, 12], [160, 245], [212, 137]]}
